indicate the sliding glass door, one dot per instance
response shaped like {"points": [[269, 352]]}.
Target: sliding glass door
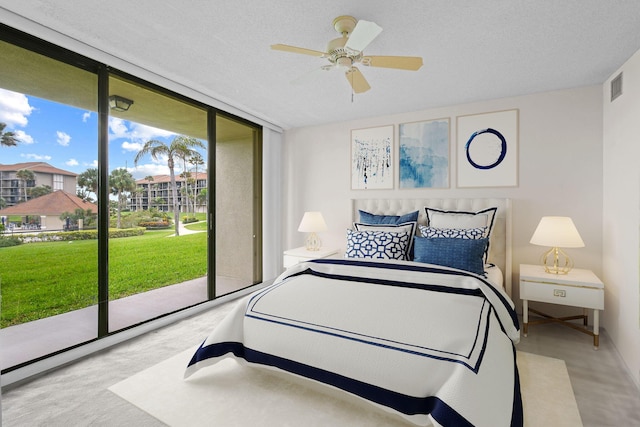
{"points": [[120, 201], [158, 171], [48, 205]]}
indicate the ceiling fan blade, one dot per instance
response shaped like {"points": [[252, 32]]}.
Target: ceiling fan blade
{"points": [[363, 34], [293, 49], [412, 63], [356, 80]]}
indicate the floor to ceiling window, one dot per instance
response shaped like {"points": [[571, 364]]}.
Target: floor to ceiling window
{"points": [[120, 201], [158, 173], [48, 110]]}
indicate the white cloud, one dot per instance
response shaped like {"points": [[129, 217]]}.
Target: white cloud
{"points": [[71, 162], [132, 146], [23, 137], [93, 164], [117, 128], [135, 132], [86, 116], [33, 156], [63, 138], [147, 169], [14, 108], [145, 133]]}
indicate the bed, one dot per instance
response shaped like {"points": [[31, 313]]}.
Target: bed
{"points": [[431, 343]]}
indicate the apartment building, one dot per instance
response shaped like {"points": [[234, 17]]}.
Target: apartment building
{"points": [[12, 187]]}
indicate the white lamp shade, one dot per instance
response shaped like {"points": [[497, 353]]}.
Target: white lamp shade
{"points": [[558, 232], [312, 222]]}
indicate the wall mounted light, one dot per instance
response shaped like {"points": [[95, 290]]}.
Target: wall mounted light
{"points": [[119, 103]]}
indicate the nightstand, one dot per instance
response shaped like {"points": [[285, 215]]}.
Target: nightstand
{"points": [[293, 256], [578, 288]]}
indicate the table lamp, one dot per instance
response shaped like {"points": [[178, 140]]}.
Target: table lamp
{"points": [[312, 223], [557, 232]]}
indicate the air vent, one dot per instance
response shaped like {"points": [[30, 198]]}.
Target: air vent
{"points": [[616, 87]]}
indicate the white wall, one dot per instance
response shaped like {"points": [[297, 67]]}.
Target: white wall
{"points": [[621, 123], [560, 171]]}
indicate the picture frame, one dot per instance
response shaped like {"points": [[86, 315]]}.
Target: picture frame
{"points": [[487, 149], [372, 163], [423, 154]]}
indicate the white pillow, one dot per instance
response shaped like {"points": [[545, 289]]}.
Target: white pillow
{"points": [[437, 218]]}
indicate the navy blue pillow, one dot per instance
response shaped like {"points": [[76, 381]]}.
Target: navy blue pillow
{"points": [[464, 254], [369, 218]]}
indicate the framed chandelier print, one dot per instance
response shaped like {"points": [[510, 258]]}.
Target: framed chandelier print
{"points": [[372, 158], [487, 149]]}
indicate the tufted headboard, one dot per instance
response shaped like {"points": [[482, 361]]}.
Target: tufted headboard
{"points": [[499, 245]]}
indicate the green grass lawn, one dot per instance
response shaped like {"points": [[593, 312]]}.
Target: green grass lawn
{"points": [[38, 280]]}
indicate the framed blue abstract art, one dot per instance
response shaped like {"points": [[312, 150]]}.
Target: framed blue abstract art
{"points": [[488, 149], [372, 158], [424, 154]]}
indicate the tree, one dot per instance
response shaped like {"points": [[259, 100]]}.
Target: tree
{"points": [[180, 147], [39, 191], [88, 183], [25, 175], [7, 139], [196, 160], [121, 182], [149, 179]]}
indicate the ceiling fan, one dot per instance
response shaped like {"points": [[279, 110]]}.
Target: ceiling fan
{"points": [[346, 51]]}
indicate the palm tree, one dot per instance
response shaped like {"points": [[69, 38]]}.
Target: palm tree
{"points": [[196, 160], [149, 179], [8, 139], [25, 175], [88, 182], [121, 182], [180, 147]]}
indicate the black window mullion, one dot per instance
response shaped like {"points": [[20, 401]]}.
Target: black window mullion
{"points": [[103, 202]]}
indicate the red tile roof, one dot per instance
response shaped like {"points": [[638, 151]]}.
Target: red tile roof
{"points": [[53, 204]]}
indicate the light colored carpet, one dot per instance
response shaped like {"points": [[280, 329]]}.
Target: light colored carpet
{"points": [[229, 394]]}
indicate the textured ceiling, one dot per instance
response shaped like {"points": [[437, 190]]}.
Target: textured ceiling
{"points": [[472, 50]]}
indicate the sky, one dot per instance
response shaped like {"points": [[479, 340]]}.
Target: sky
{"points": [[66, 137]]}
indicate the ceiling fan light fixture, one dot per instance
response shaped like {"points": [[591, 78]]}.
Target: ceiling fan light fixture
{"points": [[344, 62]]}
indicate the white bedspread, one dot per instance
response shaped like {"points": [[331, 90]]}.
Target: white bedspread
{"points": [[429, 343]]}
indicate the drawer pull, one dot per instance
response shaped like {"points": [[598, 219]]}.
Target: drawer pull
{"points": [[559, 293]]}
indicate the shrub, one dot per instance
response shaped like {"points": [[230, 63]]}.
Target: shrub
{"points": [[5, 242], [187, 220], [64, 236], [154, 225]]}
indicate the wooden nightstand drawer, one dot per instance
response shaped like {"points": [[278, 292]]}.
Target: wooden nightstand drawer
{"points": [[562, 294]]}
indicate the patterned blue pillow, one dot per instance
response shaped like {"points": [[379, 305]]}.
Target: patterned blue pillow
{"points": [[376, 244], [464, 254], [369, 218], [458, 233], [408, 227]]}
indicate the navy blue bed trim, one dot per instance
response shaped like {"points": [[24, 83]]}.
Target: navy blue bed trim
{"points": [[405, 404], [425, 268]]}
